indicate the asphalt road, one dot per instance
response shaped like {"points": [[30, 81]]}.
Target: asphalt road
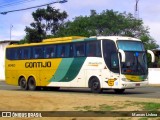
{"points": [[145, 92]]}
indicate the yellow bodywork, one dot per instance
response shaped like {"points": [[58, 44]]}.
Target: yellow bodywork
{"points": [[17, 68], [135, 78], [14, 69]]}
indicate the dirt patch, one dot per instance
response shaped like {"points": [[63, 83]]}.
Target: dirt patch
{"points": [[60, 101]]}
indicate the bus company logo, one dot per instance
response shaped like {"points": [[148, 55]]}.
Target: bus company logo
{"points": [[38, 64], [94, 63]]}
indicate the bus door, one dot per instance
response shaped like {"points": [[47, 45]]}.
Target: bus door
{"points": [[110, 55]]}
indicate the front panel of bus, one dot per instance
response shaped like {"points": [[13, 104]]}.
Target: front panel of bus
{"points": [[131, 73], [134, 69]]}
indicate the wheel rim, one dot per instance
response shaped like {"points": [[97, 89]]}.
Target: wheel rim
{"points": [[31, 84], [23, 84], [95, 85]]}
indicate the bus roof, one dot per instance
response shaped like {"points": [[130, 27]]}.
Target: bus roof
{"points": [[115, 38], [52, 40], [63, 39], [74, 39]]}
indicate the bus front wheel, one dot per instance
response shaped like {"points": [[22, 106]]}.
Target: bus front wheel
{"points": [[31, 84], [95, 85], [23, 83]]}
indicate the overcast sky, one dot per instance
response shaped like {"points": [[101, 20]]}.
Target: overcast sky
{"points": [[149, 11]]}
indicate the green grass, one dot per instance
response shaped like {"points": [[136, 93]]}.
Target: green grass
{"points": [[102, 107], [149, 106], [144, 106], [105, 107], [85, 108], [124, 119], [144, 118]]}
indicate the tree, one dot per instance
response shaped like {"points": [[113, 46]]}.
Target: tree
{"points": [[46, 21], [149, 42], [49, 22], [108, 23]]}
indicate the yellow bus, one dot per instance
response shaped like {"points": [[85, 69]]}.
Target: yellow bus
{"points": [[103, 62]]}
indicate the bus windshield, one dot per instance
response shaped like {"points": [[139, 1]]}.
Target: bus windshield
{"points": [[130, 45], [135, 63]]}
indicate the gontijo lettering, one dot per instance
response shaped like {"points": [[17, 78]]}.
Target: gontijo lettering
{"points": [[38, 64]]}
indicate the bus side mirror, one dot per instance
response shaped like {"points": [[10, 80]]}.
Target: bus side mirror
{"points": [[123, 56], [152, 55]]}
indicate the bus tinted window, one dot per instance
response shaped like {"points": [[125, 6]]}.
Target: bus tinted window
{"points": [[10, 54], [26, 53], [93, 49], [38, 52], [128, 45], [110, 55], [18, 54], [63, 50], [50, 51], [14, 53], [79, 49]]}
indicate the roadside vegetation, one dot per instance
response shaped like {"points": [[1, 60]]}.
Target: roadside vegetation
{"points": [[142, 106], [51, 22]]}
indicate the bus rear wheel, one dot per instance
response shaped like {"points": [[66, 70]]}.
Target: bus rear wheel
{"points": [[23, 83], [95, 85], [119, 91], [31, 84]]}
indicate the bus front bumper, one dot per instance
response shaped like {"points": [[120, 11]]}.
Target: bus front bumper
{"points": [[134, 84]]}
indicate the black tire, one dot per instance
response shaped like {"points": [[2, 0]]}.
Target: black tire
{"points": [[23, 83], [119, 91], [95, 85], [31, 84]]}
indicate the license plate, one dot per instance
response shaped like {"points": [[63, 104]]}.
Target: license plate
{"points": [[138, 84]]}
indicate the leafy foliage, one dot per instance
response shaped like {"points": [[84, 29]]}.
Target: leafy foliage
{"points": [[108, 23], [47, 21]]}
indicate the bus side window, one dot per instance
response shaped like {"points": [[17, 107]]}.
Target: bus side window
{"points": [[50, 51], [38, 52], [26, 53], [93, 49], [10, 53], [79, 49], [18, 54], [114, 61], [60, 51], [63, 50], [110, 55], [71, 52]]}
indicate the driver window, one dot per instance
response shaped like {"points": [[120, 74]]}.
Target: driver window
{"points": [[114, 61]]}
